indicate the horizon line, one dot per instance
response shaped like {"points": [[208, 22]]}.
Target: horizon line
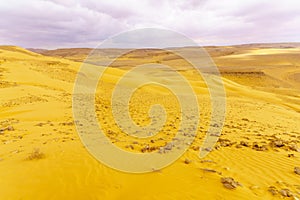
{"points": [[227, 45]]}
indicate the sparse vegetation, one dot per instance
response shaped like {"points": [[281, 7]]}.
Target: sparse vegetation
{"points": [[36, 154]]}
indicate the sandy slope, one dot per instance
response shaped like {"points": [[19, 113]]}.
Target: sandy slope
{"points": [[42, 157]]}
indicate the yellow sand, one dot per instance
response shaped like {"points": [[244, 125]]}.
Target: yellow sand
{"points": [[42, 157]]}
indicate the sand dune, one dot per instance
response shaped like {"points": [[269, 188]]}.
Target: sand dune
{"points": [[42, 156]]}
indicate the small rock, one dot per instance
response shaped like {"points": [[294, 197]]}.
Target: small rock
{"points": [[195, 148], [273, 190], [146, 148], [278, 143], [215, 134], [39, 124], [187, 161], [245, 119], [294, 147], [286, 193], [297, 170], [153, 149], [166, 148], [169, 146], [227, 168], [245, 144], [214, 125], [209, 149], [225, 142], [217, 147], [207, 161], [130, 146], [229, 183], [259, 148], [210, 170]]}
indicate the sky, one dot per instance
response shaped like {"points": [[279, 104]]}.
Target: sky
{"points": [[85, 23]]}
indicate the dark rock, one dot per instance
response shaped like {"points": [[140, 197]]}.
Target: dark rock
{"points": [[245, 144], [258, 147], [277, 143], [225, 142], [208, 149], [187, 161], [130, 146], [215, 125], [146, 148]]}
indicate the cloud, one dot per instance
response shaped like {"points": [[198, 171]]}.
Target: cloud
{"points": [[85, 23]]}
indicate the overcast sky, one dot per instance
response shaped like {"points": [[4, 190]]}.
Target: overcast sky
{"points": [[85, 23]]}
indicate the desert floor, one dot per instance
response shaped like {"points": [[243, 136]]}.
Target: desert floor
{"points": [[42, 156]]}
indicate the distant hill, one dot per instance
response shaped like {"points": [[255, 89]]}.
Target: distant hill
{"points": [[79, 54], [271, 45]]}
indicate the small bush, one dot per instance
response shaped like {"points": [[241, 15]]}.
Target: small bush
{"points": [[36, 154]]}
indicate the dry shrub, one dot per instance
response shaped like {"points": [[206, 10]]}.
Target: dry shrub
{"points": [[36, 154]]}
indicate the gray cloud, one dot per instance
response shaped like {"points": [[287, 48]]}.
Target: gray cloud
{"points": [[85, 23]]}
